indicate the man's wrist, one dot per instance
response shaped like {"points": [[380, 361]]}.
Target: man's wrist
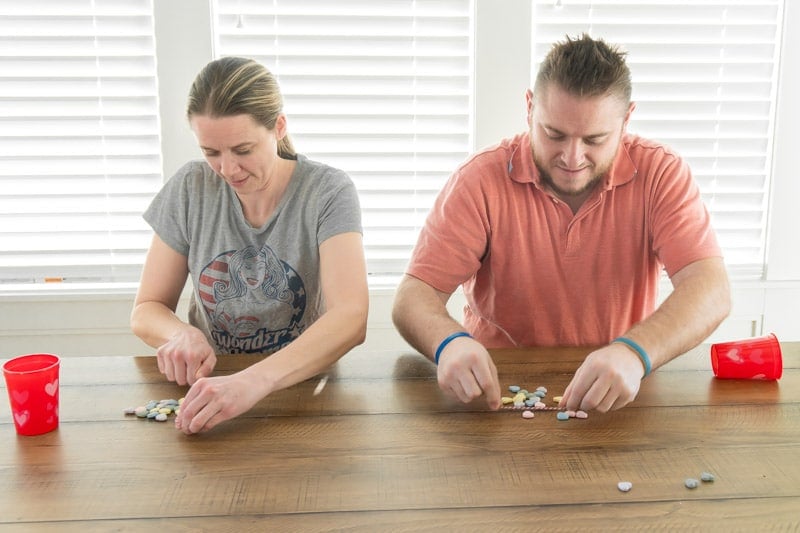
{"points": [[638, 350], [446, 341]]}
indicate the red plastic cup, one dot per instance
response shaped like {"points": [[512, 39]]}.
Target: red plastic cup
{"points": [[32, 382], [753, 358]]}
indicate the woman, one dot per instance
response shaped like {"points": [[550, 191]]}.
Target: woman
{"points": [[272, 242]]}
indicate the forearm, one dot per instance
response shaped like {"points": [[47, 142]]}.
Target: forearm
{"points": [[155, 323], [335, 333], [699, 302], [420, 315]]}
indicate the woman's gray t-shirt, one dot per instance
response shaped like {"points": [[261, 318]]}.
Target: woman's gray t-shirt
{"points": [[255, 289]]}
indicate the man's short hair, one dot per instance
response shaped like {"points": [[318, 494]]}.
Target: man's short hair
{"points": [[585, 67]]}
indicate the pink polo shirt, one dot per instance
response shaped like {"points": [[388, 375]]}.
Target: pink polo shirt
{"points": [[533, 273]]}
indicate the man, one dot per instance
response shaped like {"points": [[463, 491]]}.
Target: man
{"points": [[558, 236]]}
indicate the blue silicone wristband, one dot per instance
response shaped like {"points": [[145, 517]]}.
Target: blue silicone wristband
{"points": [[446, 341], [639, 351]]}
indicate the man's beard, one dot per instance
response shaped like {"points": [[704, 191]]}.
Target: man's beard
{"points": [[547, 179]]}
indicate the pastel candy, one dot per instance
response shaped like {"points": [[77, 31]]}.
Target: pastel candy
{"points": [[156, 410]]}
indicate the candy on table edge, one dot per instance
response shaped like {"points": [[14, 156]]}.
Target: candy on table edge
{"points": [[624, 486]]}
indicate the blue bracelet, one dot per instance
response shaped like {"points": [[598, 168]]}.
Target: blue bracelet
{"points": [[639, 351], [446, 341]]}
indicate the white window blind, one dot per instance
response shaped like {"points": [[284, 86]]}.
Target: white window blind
{"points": [[382, 90], [79, 131], [704, 80]]}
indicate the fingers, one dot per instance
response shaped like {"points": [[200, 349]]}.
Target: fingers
{"points": [[198, 410], [166, 363], [490, 384], [466, 371], [186, 356], [213, 400], [184, 369], [466, 388], [205, 368], [160, 361], [599, 397], [602, 383], [204, 420], [200, 366]]}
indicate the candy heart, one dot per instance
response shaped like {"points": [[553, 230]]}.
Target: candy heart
{"points": [[22, 418], [51, 388], [20, 396]]}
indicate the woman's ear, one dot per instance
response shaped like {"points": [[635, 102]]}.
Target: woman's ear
{"points": [[280, 126]]}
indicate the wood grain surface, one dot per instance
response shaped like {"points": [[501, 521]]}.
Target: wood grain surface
{"points": [[380, 448]]}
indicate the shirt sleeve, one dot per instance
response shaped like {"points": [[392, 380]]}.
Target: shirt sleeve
{"points": [[168, 213], [340, 209], [456, 234], [681, 232]]}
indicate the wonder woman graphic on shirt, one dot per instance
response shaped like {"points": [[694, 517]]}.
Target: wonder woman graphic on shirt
{"points": [[254, 301]]}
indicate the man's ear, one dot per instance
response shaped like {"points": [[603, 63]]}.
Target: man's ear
{"points": [[529, 106], [628, 113]]}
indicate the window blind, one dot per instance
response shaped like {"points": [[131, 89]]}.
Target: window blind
{"points": [[382, 90], [704, 80], [79, 131]]}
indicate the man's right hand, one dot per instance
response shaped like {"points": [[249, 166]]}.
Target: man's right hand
{"points": [[466, 371]]}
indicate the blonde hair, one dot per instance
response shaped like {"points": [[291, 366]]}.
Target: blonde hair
{"points": [[239, 86]]}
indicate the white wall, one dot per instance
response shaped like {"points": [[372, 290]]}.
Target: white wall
{"points": [[75, 323]]}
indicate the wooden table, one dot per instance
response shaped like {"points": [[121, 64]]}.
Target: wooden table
{"points": [[382, 449]]}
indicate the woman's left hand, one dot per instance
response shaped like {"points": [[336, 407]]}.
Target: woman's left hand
{"points": [[214, 400]]}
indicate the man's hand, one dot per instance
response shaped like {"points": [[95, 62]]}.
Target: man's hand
{"points": [[466, 371], [608, 379]]}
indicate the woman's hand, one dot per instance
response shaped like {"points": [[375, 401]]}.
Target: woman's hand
{"points": [[186, 357], [214, 400]]}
